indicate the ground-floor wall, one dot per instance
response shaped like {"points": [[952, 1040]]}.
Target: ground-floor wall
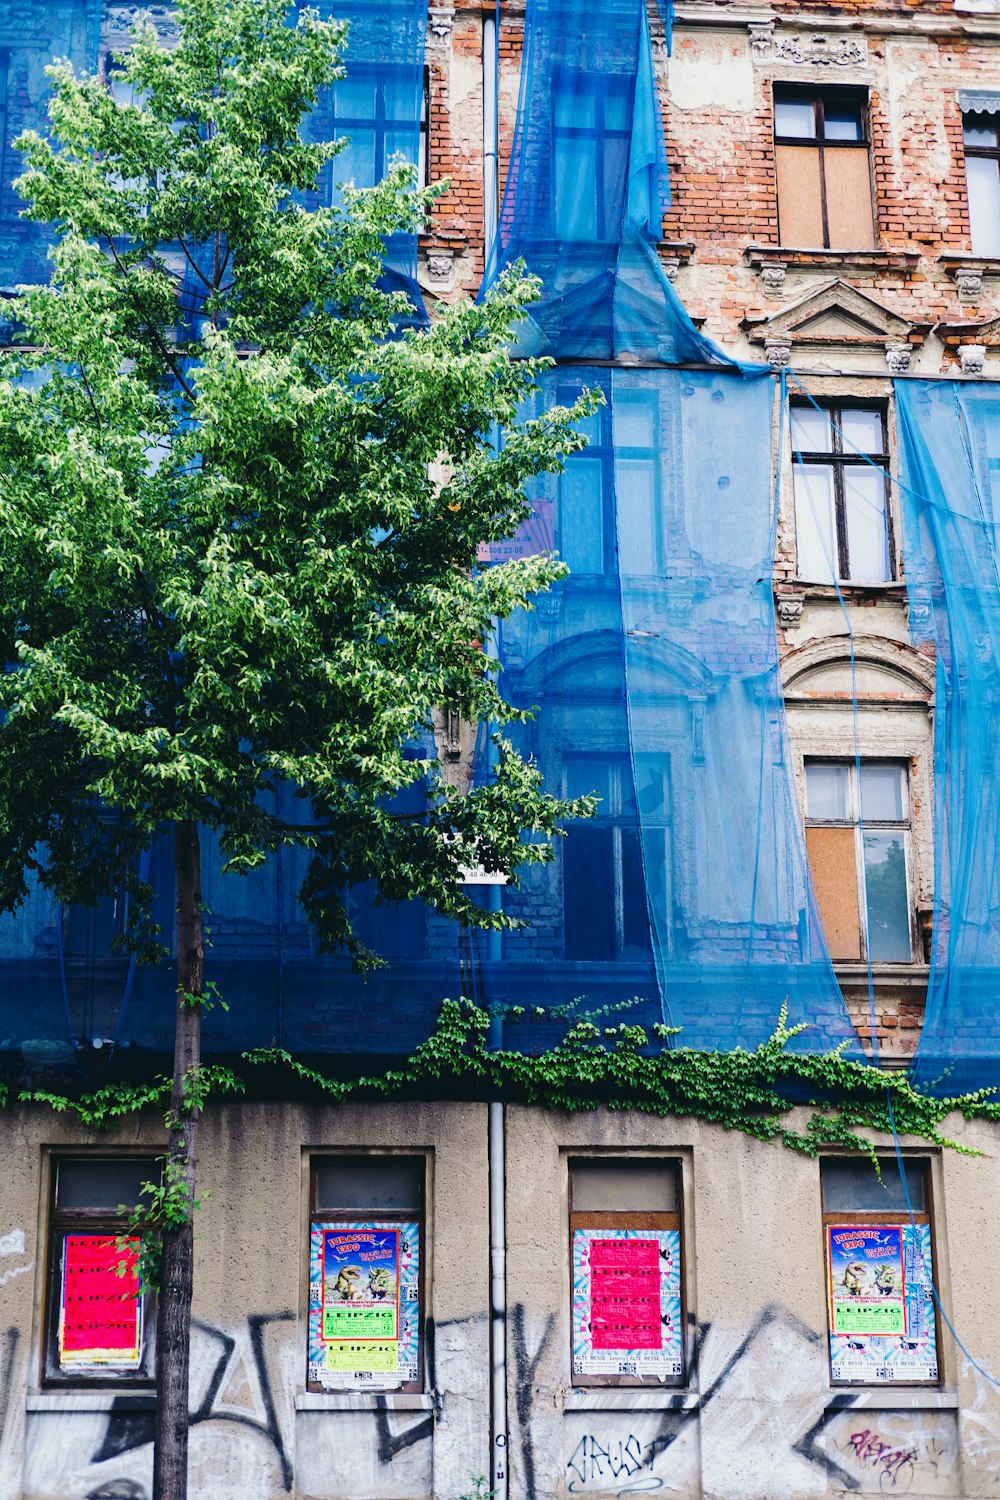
{"points": [[752, 1413]]}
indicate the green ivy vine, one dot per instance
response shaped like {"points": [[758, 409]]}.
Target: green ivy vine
{"points": [[620, 1067]]}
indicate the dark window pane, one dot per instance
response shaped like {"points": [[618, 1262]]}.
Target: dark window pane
{"points": [[851, 1185], [369, 1184], [843, 120], [619, 1186], [635, 919], [589, 894], [102, 1184]]}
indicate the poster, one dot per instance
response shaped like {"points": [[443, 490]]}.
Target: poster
{"points": [[364, 1305], [100, 1310], [882, 1327], [627, 1303], [867, 1288]]}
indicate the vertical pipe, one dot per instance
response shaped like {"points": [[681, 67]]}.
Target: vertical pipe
{"points": [[498, 1304], [490, 177]]}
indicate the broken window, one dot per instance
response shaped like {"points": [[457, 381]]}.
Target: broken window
{"points": [[879, 1271], [981, 134], [627, 1289], [98, 1320], [840, 479], [365, 1273], [821, 154], [858, 837]]}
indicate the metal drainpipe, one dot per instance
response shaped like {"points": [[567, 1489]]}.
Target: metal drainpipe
{"points": [[498, 1304], [497, 1147], [490, 179], [496, 1128]]}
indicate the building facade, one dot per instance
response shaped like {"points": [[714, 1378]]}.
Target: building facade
{"points": [[394, 1299]]}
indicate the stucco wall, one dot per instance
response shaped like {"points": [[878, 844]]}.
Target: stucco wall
{"points": [[757, 1417]]}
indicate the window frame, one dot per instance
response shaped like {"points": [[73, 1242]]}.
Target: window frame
{"points": [[890, 1217], [820, 97], [839, 458], [860, 827], [982, 153], [598, 86], [616, 820], [380, 123], [327, 1217], [61, 1222], [630, 1219]]}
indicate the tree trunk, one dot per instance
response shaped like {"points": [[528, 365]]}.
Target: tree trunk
{"points": [[173, 1313]]}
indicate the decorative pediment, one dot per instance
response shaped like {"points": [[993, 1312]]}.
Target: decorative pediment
{"points": [[873, 668], [835, 315]]}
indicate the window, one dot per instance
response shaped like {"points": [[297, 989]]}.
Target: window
{"points": [[627, 1315], [839, 475], [858, 836], [879, 1272], [592, 128], [375, 107], [822, 164], [605, 916], [98, 1326], [624, 463], [365, 1269], [981, 133]]}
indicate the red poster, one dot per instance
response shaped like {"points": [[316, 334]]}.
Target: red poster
{"points": [[625, 1294], [100, 1317]]}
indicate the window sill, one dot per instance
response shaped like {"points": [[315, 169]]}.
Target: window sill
{"points": [[858, 260], [902, 975], [892, 588], [364, 1401], [634, 1398], [122, 1399], [890, 1398]]}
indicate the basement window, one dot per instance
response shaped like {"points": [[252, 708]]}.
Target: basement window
{"points": [[98, 1323], [822, 162], [879, 1259], [365, 1273], [627, 1314], [858, 837]]}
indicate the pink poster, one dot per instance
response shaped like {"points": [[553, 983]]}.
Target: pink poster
{"points": [[625, 1294], [627, 1304]]}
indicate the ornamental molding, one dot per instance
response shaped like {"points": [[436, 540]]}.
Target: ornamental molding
{"points": [[833, 315], [768, 45]]}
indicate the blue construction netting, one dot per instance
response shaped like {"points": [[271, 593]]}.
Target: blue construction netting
{"points": [[587, 188], [655, 671], [381, 108], [949, 448], [31, 37]]}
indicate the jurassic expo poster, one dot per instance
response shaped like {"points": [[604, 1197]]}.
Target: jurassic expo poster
{"points": [[882, 1324], [363, 1306]]}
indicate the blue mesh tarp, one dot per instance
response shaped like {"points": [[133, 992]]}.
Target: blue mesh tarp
{"points": [[587, 187], [31, 37], [949, 436], [379, 108], [654, 668]]}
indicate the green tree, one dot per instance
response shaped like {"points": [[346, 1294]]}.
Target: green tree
{"points": [[291, 590]]}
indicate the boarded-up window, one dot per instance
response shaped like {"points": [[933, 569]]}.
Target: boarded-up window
{"points": [[627, 1289], [99, 1320], [858, 839], [879, 1271], [366, 1253], [823, 169]]}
